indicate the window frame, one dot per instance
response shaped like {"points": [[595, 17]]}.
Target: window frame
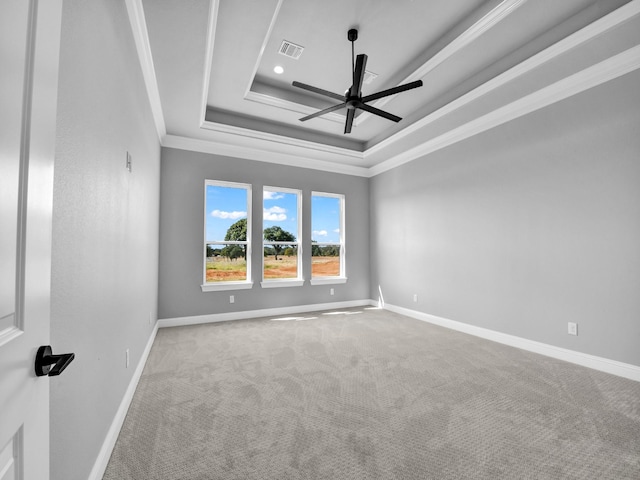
{"points": [[284, 282], [232, 284], [342, 277]]}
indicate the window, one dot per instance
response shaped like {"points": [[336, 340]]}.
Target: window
{"points": [[281, 264], [227, 238], [327, 238]]}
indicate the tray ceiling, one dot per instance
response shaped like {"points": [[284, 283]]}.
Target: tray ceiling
{"points": [[209, 67]]}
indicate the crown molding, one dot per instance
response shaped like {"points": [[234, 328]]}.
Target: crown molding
{"points": [[484, 24], [606, 23], [313, 148], [141, 37], [208, 58], [285, 154], [274, 18], [590, 77], [292, 106]]}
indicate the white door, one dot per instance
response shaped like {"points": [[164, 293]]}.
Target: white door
{"points": [[29, 54]]}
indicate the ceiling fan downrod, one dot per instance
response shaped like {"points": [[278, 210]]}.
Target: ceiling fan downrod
{"points": [[352, 35]]}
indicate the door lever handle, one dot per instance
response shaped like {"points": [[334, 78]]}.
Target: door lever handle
{"points": [[45, 359]]}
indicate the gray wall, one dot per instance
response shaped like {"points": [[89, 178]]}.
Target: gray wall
{"points": [[105, 229], [525, 227], [181, 234]]}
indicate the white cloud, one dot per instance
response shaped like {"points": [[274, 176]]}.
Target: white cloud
{"points": [[337, 230], [275, 217], [267, 195], [274, 214], [225, 215], [320, 233]]}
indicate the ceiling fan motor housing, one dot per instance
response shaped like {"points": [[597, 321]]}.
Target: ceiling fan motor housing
{"points": [[352, 35]]}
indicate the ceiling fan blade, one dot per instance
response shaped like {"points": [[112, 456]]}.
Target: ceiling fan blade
{"points": [[322, 112], [377, 111], [392, 91], [320, 91], [358, 75], [349, 123]]}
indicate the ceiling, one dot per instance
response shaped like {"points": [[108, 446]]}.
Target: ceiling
{"points": [[209, 70]]}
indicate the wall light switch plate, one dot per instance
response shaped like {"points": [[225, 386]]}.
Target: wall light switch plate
{"points": [[572, 328]]}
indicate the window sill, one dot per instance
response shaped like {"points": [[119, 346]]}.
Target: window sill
{"points": [[328, 280], [294, 282], [219, 287]]}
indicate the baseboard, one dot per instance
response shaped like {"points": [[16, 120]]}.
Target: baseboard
{"points": [[99, 467], [267, 312], [614, 367]]}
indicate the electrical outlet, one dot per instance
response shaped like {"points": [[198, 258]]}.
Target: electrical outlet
{"points": [[150, 318], [128, 164], [415, 297], [127, 358], [232, 299], [331, 291], [572, 328]]}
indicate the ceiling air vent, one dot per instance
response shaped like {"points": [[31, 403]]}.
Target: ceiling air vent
{"points": [[290, 50]]}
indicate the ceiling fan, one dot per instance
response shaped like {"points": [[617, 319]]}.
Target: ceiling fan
{"points": [[353, 99]]}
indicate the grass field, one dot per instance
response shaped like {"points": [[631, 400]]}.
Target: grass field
{"points": [[325, 266], [220, 269], [284, 267]]}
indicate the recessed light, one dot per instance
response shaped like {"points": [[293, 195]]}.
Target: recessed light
{"points": [[278, 69]]}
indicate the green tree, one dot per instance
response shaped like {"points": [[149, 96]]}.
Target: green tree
{"points": [[236, 233], [331, 251], [277, 234], [236, 251]]}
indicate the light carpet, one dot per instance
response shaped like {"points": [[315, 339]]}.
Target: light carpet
{"points": [[369, 394]]}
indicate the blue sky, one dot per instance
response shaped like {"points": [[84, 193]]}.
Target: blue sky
{"points": [[280, 208], [227, 205], [224, 207], [325, 219]]}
